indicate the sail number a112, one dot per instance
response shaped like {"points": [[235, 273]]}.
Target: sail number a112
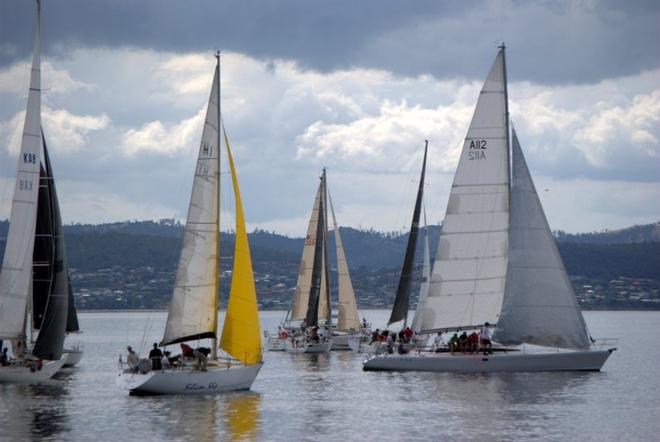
{"points": [[477, 150]]}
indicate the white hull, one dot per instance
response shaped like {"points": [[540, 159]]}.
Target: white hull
{"points": [[24, 375], [190, 381], [72, 356], [308, 347], [559, 360], [273, 343], [345, 342]]}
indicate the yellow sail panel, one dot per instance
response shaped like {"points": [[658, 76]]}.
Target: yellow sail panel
{"points": [[241, 335]]}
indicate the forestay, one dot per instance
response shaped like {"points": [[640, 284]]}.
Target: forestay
{"points": [[241, 336], [539, 305], [192, 311], [467, 283], [16, 274]]}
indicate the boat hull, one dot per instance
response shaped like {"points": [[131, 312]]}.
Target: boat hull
{"points": [[190, 381], [589, 360], [274, 343], [72, 357], [345, 342], [309, 347], [24, 375]]}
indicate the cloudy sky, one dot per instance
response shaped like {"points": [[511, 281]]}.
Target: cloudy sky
{"points": [[352, 86]]}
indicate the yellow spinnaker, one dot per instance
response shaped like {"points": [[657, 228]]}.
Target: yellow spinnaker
{"points": [[241, 335]]}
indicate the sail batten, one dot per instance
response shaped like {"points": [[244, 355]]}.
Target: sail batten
{"points": [[192, 311], [539, 305], [468, 277]]}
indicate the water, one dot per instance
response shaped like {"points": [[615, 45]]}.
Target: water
{"points": [[329, 397]]}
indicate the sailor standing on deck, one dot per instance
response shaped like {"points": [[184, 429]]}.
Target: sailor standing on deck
{"points": [[486, 335]]}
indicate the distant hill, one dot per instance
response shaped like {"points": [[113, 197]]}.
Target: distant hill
{"points": [[632, 252]]}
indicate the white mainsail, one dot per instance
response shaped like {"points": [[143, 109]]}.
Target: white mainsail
{"points": [[304, 284], [193, 309], [348, 318], [467, 283], [539, 305], [16, 274], [421, 309]]}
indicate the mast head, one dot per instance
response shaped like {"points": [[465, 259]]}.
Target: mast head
{"points": [[502, 47]]}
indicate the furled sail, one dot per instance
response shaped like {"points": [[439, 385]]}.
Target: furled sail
{"points": [[16, 274], [467, 283], [241, 336], [402, 300], [50, 281], [421, 309], [348, 318], [304, 283], [192, 312], [539, 305]]}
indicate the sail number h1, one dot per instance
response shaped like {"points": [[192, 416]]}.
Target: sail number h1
{"points": [[477, 150]]}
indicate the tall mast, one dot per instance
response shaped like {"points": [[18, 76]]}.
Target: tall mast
{"points": [[214, 354], [328, 320], [506, 116]]}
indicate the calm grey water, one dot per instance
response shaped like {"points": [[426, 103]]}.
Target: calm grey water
{"points": [[320, 397]]}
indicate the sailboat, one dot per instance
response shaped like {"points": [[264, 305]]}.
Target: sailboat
{"points": [[34, 277], [193, 311], [498, 263], [309, 322]]}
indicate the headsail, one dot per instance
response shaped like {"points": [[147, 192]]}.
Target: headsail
{"points": [[16, 274], [304, 283], [192, 313], [539, 305], [315, 291], [421, 309], [348, 318], [467, 283], [51, 282], [241, 336], [402, 300]]}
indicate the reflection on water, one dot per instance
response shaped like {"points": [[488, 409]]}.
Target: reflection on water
{"points": [[329, 397], [240, 415]]}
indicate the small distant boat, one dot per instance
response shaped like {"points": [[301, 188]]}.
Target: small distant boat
{"points": [[497, 262], [193, 311], [35, 294]]}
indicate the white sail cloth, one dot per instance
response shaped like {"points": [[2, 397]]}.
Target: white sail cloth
{"points": [[539, 305], [194, 302], [304, 284], [348, 318], [467, 283], [421, 309], [16, 274]]}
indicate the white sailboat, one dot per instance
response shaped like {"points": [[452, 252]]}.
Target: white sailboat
{"points": [[34, 285], [497, 262], [309, 322], [193, 311]]}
